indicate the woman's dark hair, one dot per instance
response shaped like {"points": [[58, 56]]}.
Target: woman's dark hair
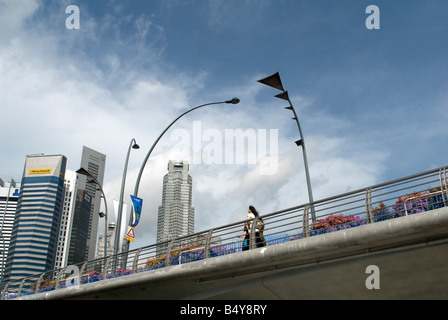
{"points": [[255, 212]]}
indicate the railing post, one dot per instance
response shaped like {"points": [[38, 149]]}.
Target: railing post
{"points": [[443, 186], [369, 205], [135, 263], [58, 278], [5, 288], [252, 235], [82, 269], [305, 226], [168, 254], [208, 241], [19, 293], [106, 267], [36, 290]]}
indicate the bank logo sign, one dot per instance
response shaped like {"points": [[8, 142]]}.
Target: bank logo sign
{"points": [[39, 171]]}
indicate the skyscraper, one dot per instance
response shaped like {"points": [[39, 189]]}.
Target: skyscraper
{"points": [[110, 249], [36, 224], [79, 216], [94, 162], [9, 195], [66, 219], [176, 214]]}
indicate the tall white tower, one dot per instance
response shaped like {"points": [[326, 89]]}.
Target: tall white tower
{"points": [[176, 214]]}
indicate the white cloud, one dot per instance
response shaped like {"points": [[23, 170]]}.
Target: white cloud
{"points": [[13, 14], [56, 102]]}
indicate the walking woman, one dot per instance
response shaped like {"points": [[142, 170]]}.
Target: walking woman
{"points": [[246, 236], [259, 238]]}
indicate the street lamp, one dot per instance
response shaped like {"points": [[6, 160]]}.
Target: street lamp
{"points": [[137, 184], [94, 180], [132, 145], [275, 82], [106, 226]]}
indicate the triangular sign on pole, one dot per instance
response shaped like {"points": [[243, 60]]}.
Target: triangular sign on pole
{"points": [[130, 236]]}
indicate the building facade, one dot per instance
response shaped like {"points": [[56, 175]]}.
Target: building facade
{"points": [[110, 248], [79, 223], [66, 219], [77, 246], [36, 224], [176, 214], [95, 163], [9, 196]]}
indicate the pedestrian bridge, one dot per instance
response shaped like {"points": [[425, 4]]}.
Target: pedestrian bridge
{"points": [[388, 241]]}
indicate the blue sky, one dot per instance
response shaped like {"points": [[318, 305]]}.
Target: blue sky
{"points": [[372, 103]]}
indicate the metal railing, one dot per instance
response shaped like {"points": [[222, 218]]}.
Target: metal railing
{"points": [[411, 195]]}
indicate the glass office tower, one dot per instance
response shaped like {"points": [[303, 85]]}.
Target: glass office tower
{"points": [[36, 224], [95, 163]]}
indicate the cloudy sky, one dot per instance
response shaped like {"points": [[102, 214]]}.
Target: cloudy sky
{"points": [[372, 103]]}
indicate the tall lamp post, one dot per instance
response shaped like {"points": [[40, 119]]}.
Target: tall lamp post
{"points": [[275, 82], [132, 145], [137, 184], [94, 180]]}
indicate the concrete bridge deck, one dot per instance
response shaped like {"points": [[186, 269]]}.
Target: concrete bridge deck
{"points": [[411, 253]]}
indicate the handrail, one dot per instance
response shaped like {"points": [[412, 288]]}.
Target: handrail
{"points": [[373, 204]]}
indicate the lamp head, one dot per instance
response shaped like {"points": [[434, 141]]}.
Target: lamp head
{"points": [[91, 181], [134, 144], [83, 172], [233, 101]]}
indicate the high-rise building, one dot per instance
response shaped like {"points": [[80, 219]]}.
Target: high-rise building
{"points": [[110, 249], [35, 230], [176, 214], [79, 228], [9, 195], [76, 236], [94, 162], [66, 219]]}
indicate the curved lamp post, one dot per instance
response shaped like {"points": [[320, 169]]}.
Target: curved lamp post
{"points": [[275, 82], [132, 145], [137, 184]]}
